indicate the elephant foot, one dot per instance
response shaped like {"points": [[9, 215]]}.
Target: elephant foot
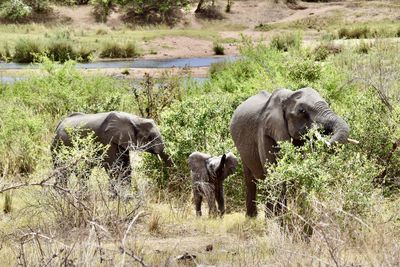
{"points": [[251, 213], [198, 213], [221, 213]]}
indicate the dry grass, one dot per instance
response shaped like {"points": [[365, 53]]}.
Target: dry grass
{"points": [[158, 233]]}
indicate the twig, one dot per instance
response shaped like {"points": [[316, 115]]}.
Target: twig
{"points": [[122, 248], [132, 255]]}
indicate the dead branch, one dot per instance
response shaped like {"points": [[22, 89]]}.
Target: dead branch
{"points": [[122, 247], [133, 256]]}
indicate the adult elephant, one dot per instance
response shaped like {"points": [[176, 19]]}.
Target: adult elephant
{"points": [[120, 131], [265, 119]]}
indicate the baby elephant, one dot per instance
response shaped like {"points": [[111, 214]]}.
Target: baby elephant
{"points": [[208, 174]]}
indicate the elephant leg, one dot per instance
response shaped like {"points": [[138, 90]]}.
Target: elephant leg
{"points": [[219, 196], [117, 165], [198, 198], [125, 170], [212, 208], [209, 193], [251, 191]]}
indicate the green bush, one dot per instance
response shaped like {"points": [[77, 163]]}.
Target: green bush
{"points": [[27, 50], [363, 47], [197, 123], [322, 51], [218, 49], [15, 10], [84, 54], [355, 33], [316, 178], [5, 54], [155, 11], [39, 6], [302, 72], [286, 41], [116, 50], [102, 8], [61, 50]]}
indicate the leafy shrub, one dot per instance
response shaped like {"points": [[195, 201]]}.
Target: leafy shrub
{"points": [[5, 54], [27, 50], [206, 129], [363, 47], [322, 51], [210, 12], [314, 175], [20, 132], [15, 10], [286, 41], [303, 72], [39, 6], [102, 9], [217, 68], [61, 50], [218, 49], [155, 11], [116, 50], [155, 95], [84, 54]]}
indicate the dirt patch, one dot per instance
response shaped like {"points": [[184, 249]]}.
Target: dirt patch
{"points": [[79, 15], [180, 46]]}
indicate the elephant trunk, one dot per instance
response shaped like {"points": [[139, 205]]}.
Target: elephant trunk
{"points": [[332, 123]]}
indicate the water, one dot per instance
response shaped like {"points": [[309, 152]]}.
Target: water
{"points": [[139, 63], [9, 80]]}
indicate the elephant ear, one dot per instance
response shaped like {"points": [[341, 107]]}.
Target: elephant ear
{"points": [[274, 115], [119, 129], [230, 164], [197, 164], [146, 126], [220, 169]]}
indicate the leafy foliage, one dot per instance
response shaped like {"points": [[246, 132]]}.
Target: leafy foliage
{"points": [[154, 11], [15, 10], [339, 177]]}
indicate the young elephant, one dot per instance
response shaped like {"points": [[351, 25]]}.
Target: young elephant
{"points": [[208, 174]]}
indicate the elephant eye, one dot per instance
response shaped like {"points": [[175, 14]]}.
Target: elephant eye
{"points": [[301, 110]]}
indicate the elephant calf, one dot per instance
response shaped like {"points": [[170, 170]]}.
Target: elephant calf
{"points": [[120, 131], [208, 174]]}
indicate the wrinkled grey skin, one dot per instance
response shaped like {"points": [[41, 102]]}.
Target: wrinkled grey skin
{"points": [[121, 131], [208, 174], [264, 119]]}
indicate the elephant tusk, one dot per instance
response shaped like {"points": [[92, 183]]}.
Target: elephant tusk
{"points": [[159, 158], [353, 141]]}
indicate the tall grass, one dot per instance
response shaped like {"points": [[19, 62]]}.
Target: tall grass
{"points": [[27, 50], [117, 50], [286, 41]]}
